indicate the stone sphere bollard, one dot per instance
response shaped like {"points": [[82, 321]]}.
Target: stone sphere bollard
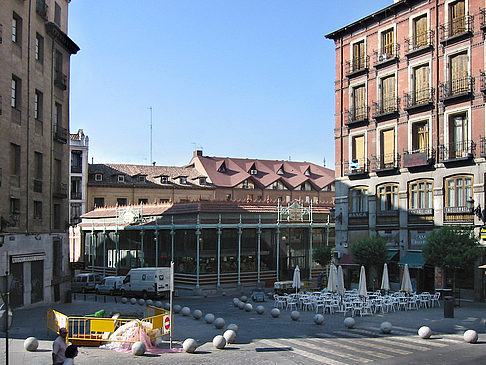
{"points": [[138, 349], [241, 305], [31, 344], [149, 302], [219, 323], [219, 342], [471, 336], [233, 327], [318, 319], [124, 300], [295, 315], [235, 302], [424, 332], [189, 345], [260, 309], [133, 301], [186, 311], [197, 314], [223, 294], [248, 307], [167, 306], [177, 308], [209, 318], [244, 299], [349, 322], [386, 327], [158, 304], [229, 336], [141, 301], [275, 312]]}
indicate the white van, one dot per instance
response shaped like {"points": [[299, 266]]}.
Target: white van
{"points": [[85, 282], [110, 285], [147, 282]]}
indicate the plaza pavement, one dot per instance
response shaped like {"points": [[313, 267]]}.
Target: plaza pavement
{"points": [[266, 340]]}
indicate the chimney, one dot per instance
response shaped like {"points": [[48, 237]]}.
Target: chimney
{"points": [[198, 153]]}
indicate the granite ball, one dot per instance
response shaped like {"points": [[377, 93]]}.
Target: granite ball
{"points": [[319, 319], [138, 349], [386, 327], [186, 311], [197, 314], [248, 307], [209, 318], [167, 306], [229, 336], [149, 302], [31, 344], [124, 300], [158, 304], [235, 302], [233, 327], [244, 298], [260, 309], [241, 305], [424, 332], [275, 312], [471, 336], [219, 323], [177, 308], [141, 301], [295, 315], [133, 301], [219, 342], [349, 322], [189, 345]]}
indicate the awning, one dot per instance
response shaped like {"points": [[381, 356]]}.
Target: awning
{"points": [[482, 267], [414, 260], [392, 254], [347, 260]]}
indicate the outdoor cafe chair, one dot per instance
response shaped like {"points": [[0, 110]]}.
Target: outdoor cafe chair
{"points": [[292, 303], [280, 301], [308, 304], [435, 299]]}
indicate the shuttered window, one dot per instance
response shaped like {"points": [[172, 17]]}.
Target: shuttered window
{"points": [[421, 84], [387, 40], [387, 148], [359, 102], [458, 74], [358, 150], [420, 32], [358, 56], [388, 94], [458, 18]]}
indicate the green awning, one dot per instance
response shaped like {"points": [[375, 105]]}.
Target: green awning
{"points": [[415, 260], [392, 254]]}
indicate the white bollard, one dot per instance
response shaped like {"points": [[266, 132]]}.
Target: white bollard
{"points": [[219, 342], [31, 344], [189, 345], [424, 332]]}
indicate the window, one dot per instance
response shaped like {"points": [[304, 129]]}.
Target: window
{"points": [[421, 195], [15, 92], [358, 199], [164, 180], [458, 135], [57, 171], [121, 201], [222, 168], [121, 178], [98, 177], [14, 206], [99, 202], [141, 178], [37, 210], [163, 200], [57, 14], [388, 100], [306, 186], [248, 184], [183, 180], [76, 190], [39, 48], [14, 159], [420, 137], [76, 161], [57, 216], [457, 18], [38, 161], [459, 80], [202, 181], [420, 38], [249, 197], [358, 94], [38, 105], [421, 88], [278, 185], [459, 191], [142, 201], [387, 148], [357, 152], [388, 197], [281, 171], [359, 56], [16, 29], [307, 172], [387, 43]]}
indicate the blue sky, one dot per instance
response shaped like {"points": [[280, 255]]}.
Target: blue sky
{"points": [[239, 78]]}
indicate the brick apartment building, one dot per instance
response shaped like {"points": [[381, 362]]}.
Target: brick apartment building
{"points": [[34, 122], [409, 131]]}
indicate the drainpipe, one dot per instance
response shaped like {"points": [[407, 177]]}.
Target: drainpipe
{"points": [[437, 121]]}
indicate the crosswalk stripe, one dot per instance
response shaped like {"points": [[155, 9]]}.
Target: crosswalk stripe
{"points": [[382, 348], [394, 343], [328, 350], [341, 344], [416, 343], [348, 334], [449, 340], [306, 354]]}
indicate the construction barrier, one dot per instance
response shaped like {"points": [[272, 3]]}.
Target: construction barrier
{"points": [[89, 331]]}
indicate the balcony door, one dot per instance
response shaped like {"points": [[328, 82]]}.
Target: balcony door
{"points": [[358, 153], [459, 75], [421, 84], [359, 102], [458, 18], [387, 41], [420, 32], [388, 94], [358, 56], [420, 137], [458, 136], [387, 142]]}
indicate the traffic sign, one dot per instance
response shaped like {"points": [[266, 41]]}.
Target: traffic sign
{"points": [[167, 324]]}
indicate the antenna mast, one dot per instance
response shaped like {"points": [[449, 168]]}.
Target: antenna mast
{"points": [[151, 160]]}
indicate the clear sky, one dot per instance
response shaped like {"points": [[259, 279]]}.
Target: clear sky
{"points": [[239, 78]]}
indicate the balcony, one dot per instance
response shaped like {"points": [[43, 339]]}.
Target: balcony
{"points": [[482, 78], [41, 8], [60, 134], [386, 163], [37, 186], [482, 144], [60, 80], [59, 190], [459, 215], [457, 89], [456, 30], [457, 151], [418, 158], [386, 108], [419, 100], [421, 217], [76, 169], [356, 167], [386, 55], [482, 20], [76, 195], [419, 44], [357, 66], [356, 116]]}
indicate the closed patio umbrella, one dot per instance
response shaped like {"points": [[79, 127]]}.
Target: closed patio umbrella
{"points": [[362, 283], [296, 279], [385, 281], [406, 282], [332, 284], [341, 289]]}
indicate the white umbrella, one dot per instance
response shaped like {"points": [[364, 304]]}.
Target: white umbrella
{"points": [[340, 277], [406, 282], [332, 284], [296, 280], [362, 283], [385, 281]]}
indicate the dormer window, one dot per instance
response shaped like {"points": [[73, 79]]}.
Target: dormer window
{"points": [[202, 181], [98, 177], [141, 178], [222, 168], [164, 179], [121, 178], [183, 180], [307, 172], [306, 186], [281, 171], [253, 170]]}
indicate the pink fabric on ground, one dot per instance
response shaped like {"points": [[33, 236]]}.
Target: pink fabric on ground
{"points": [[133, 335]]}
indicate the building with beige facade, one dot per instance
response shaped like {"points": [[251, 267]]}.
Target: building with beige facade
{"points": [[34, 119]]}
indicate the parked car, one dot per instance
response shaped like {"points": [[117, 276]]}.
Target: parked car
{"points": [[85, 282], [147, 282], [110, 285]]}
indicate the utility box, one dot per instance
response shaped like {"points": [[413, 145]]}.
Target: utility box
{"points": [[448, 307]]}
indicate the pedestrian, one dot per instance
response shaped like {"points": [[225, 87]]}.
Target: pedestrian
{"points": [[59, 347], [71, 353]]}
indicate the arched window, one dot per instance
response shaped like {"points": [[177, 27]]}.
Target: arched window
{"points": [[358, 199], [459, 189], [420, 194], [388, 197]]}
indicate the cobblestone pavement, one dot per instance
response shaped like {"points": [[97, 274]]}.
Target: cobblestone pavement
{"points": [[266, 340]]}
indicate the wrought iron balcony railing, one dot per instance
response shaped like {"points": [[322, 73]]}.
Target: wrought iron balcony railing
{"points": [[419, 98], [457, 27], [482, 78], [60, 134], [419, 41], [386, 162], [59, 190], [482, 144], [388, 53], [41, 8], [461, 86], [356, 167], [76, 195], [60, 80], [356, 115], [357, 65], [76, 169], [418, 157], [386, 106], [482, 20], [457, 151]]}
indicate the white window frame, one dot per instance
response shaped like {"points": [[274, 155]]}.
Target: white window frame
{"points": [[393, 126], [121, 178], [98, 177], [411, 122], [449, 113], [384, 29], [411, 68], [350, 143], [380, 78]]}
